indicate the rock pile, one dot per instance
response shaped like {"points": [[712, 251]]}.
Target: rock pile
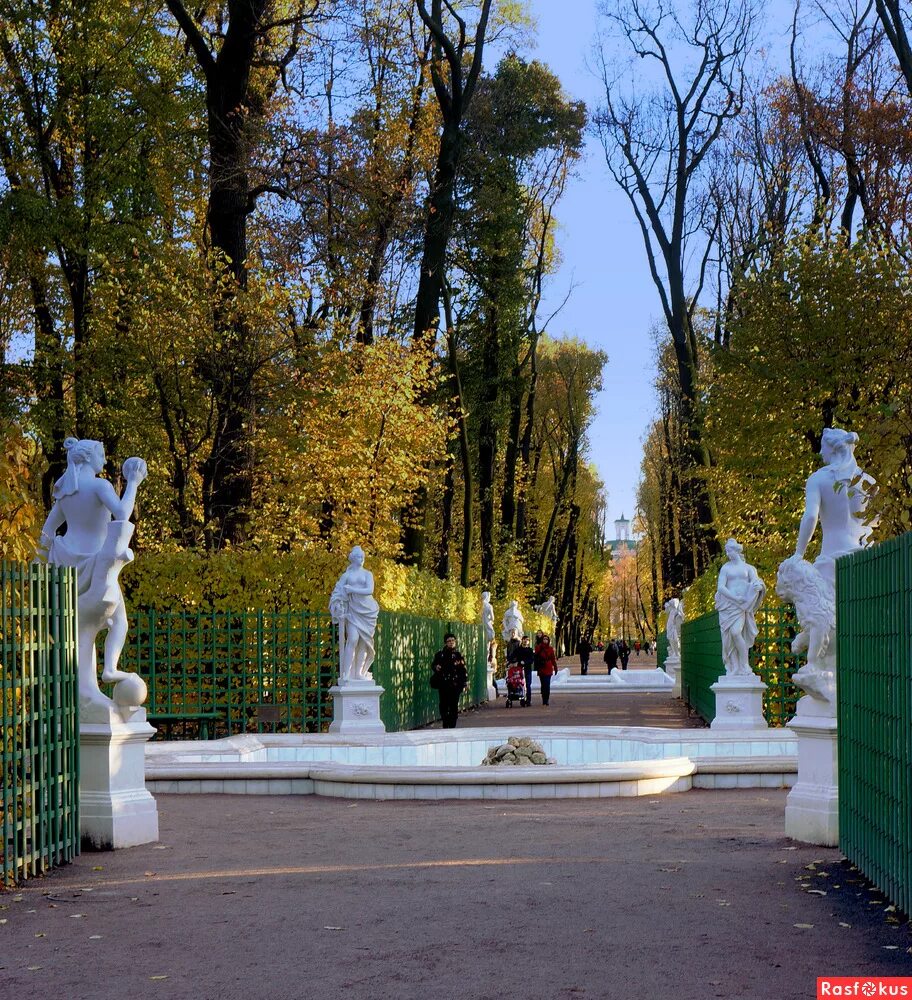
{"points": [[518, 750]]}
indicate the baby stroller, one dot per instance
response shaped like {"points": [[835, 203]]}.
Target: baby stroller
{"points": [[516, 685]]}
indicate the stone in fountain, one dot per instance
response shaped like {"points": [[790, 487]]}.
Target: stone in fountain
{"points": [[115, 808]]}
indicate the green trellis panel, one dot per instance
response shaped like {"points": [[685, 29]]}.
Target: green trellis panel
{"points": [[701, 663], [661, 649], [405, 648], [874, 652], [244, 671], [39, 725], [265, 672], [771, 659]]}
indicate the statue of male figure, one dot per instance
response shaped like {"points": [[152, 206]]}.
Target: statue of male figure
{"points": [[96, 543]]}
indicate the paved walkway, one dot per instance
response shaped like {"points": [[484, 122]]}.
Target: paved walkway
{"points": [[586, 710], [687, 896], [608, 709]]}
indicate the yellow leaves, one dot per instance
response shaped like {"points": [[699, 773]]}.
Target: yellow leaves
{"points": [[19, 515]]}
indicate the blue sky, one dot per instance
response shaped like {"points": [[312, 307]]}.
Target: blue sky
{"points": [[614, 305]]}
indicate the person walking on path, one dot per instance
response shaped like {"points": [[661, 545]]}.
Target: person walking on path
{"points": [[584, 648], [611, 655], [624, 653], [636, 647], [546, 665], [525, 657], [449, 677]]}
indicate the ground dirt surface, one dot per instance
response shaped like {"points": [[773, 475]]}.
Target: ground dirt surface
{"points": [[684, 896]]}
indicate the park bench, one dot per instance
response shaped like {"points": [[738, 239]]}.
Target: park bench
{"points": [[169, 718]]}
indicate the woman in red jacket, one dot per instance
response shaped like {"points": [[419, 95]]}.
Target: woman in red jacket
{"points": [[546, 665]]}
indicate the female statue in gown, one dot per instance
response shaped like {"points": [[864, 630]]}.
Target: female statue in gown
{"points": [[739, 593], [354, 609]]}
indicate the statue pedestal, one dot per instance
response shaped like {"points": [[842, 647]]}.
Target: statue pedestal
{"points": [[115, 808], [356, 709], [812, 806], [739, 702], [672, 667]]}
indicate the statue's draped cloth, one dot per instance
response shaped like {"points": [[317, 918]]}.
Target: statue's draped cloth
{"points": [[734, 620], [359, 612]]}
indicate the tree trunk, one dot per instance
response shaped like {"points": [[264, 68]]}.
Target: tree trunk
{"points": [[446, 522], [437, 231], [511, 462]]}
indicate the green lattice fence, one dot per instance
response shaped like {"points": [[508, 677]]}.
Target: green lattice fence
{"points": [[405, 648], [219, 673], [661, 649], [771, 659], [39, 726], [701, 663], [874, 650], [213, 674]]}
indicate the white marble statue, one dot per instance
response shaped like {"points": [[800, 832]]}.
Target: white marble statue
{"points": [[355, 611], [487, 616], [739, 594], [96, 544], [675, 611], [836, 497], [513, 622], [549, 610]]}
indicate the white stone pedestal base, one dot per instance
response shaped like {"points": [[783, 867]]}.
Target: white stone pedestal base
{"points": [[672, 667], [356, 709], [115, 809], [812, 806], [739, 702]]}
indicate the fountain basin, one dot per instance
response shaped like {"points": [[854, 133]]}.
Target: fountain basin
{"points": [[592, 762]]}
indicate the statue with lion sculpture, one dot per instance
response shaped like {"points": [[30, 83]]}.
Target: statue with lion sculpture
{"points": [[836, 497]]}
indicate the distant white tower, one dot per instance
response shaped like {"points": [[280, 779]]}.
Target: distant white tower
{"points": [[622, 529]]}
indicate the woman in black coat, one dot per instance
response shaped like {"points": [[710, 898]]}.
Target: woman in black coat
{"points": [[449, 677]]}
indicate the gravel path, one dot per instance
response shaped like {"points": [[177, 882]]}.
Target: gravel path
{"points": [[688, 896]]}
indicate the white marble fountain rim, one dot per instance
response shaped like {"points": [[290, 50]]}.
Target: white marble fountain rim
{"points": [[754, 752]]}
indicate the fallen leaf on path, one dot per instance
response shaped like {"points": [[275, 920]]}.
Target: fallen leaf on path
{"points": [[94, 937], [816, 892], [841, 924], [891, 947], [803, 927], [41, 934], [76, 916], [329, 928], [150, 874], [34, 968], [157, 978]]}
